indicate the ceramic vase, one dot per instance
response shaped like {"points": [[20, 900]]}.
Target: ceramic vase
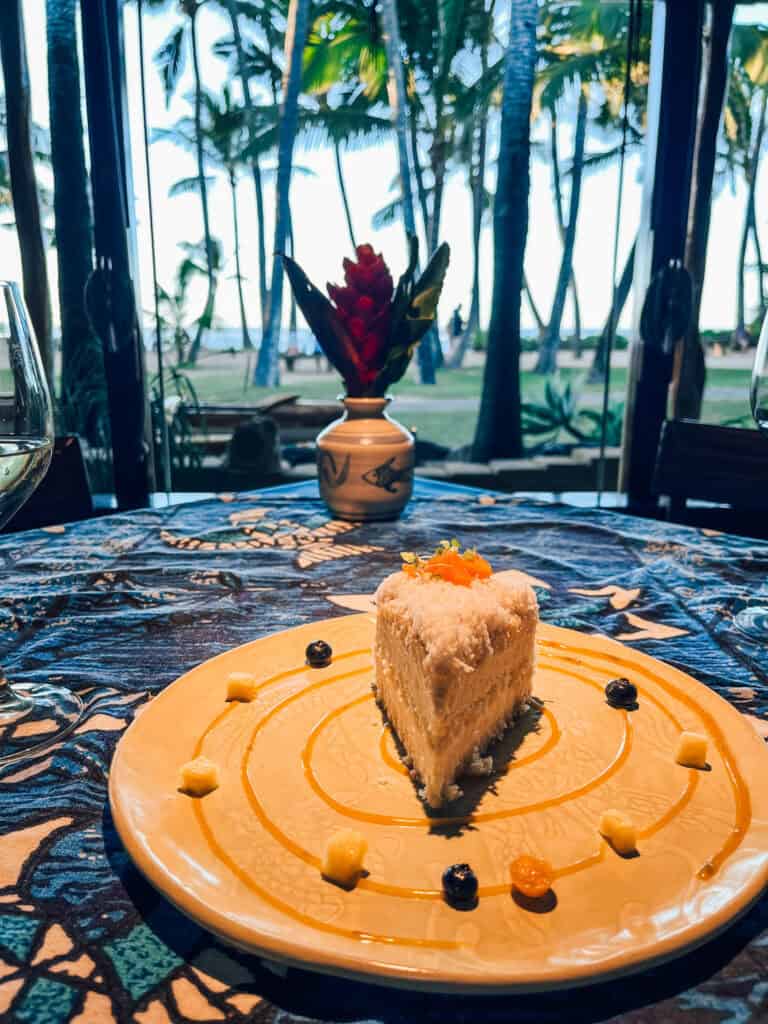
{"points": [[365, 462]]}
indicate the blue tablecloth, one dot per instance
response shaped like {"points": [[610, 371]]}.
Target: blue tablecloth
{"points": [[117, 608]]}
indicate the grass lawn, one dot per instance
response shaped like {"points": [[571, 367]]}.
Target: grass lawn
{"points": [[220, 380]]}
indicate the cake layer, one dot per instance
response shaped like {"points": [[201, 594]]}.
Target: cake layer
{"points": [[440, 748], [453, 664]]}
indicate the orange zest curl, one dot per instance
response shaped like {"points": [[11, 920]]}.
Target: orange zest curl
{"points": [[448, 563], [530, 876]]}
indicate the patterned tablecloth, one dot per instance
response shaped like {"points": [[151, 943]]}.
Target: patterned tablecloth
{"points": [[117, 608]]}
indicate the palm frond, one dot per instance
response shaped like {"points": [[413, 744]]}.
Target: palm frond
{"points": [[184, 186], [170, 61]]}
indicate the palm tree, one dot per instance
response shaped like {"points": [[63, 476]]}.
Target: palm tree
{"points": [[26, 204], [223, 133], [498, 433], [345, 49], [547, 361], [74, 239], [745, 125], [252, 60], [583, 50], [267, 372], [397, 105], [170, 60], [475, 123], [173, 305], [690, 369]]}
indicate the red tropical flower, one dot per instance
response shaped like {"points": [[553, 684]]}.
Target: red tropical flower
{"points": [[364, 307], [369, 330]]}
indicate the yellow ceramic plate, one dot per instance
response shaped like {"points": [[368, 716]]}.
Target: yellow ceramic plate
{"points": [[310, 755]]}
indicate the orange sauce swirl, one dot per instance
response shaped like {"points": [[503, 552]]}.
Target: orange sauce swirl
{"points": [[742, 802], [370, 817], [741, 793]]}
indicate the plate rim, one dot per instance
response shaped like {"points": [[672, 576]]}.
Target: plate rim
{"points": [[277, 949]]}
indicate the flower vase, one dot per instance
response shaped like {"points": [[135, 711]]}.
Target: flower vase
{"points": [[365, 462]]}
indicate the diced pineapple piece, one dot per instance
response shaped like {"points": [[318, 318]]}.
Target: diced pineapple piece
{"points": [[241, 686], [692, 750], [619, 831], [343, 859], [199, 777]]}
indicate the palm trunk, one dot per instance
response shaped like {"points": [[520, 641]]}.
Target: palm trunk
{"points": [[438, 174], [26, 204], [247, 343], [617, 307], [292, 325], [557, 191], [499, 433], [540, 325], [245, 84], [81, 363], [343, 191], [759, 259], [418, 173], [751, 176], [547, 362], [397, 100], [689, 372], [268, 364], [478, 195], [206, 319]]}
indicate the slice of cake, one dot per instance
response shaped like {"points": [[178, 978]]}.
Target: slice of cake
{"points": [[454, 655]]}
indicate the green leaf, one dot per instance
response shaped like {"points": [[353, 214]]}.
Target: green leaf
{"points": [[431, 281], [401, 299]]}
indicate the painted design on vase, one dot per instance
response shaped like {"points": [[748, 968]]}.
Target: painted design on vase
{"points": [[365, 462], [387, 475], [329, 474]]}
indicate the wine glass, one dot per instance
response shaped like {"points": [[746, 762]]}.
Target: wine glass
{"points": [[31, 716], [753, 620]]}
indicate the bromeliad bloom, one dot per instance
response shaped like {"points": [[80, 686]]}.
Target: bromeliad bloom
{"points": [[364, 307], [370, 329]]}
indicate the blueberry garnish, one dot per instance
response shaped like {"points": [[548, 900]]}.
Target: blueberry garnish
{"points": [[318, 654], [460, 885], [620, 693]]}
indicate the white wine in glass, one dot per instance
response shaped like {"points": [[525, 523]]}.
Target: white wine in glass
{"points": [[753, 620], [35, 715]]}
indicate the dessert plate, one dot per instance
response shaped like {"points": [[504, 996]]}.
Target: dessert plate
{"points": [[311, 755]]}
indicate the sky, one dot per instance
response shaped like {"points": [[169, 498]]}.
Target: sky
{"points": [[321, 237]]}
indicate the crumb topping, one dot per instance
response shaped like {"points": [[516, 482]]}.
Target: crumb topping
{"points": [[457, 626]]}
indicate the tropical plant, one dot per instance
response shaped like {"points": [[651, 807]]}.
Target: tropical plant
{"points": [[267, 373], [498, 432], [368, 333], [170, 60], [560, 412], [26, 203]]}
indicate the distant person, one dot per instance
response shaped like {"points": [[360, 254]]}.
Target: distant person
{"points": [[457, 323]]}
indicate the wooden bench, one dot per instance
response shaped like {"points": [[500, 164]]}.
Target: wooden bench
{"points": [[212, 426]]}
